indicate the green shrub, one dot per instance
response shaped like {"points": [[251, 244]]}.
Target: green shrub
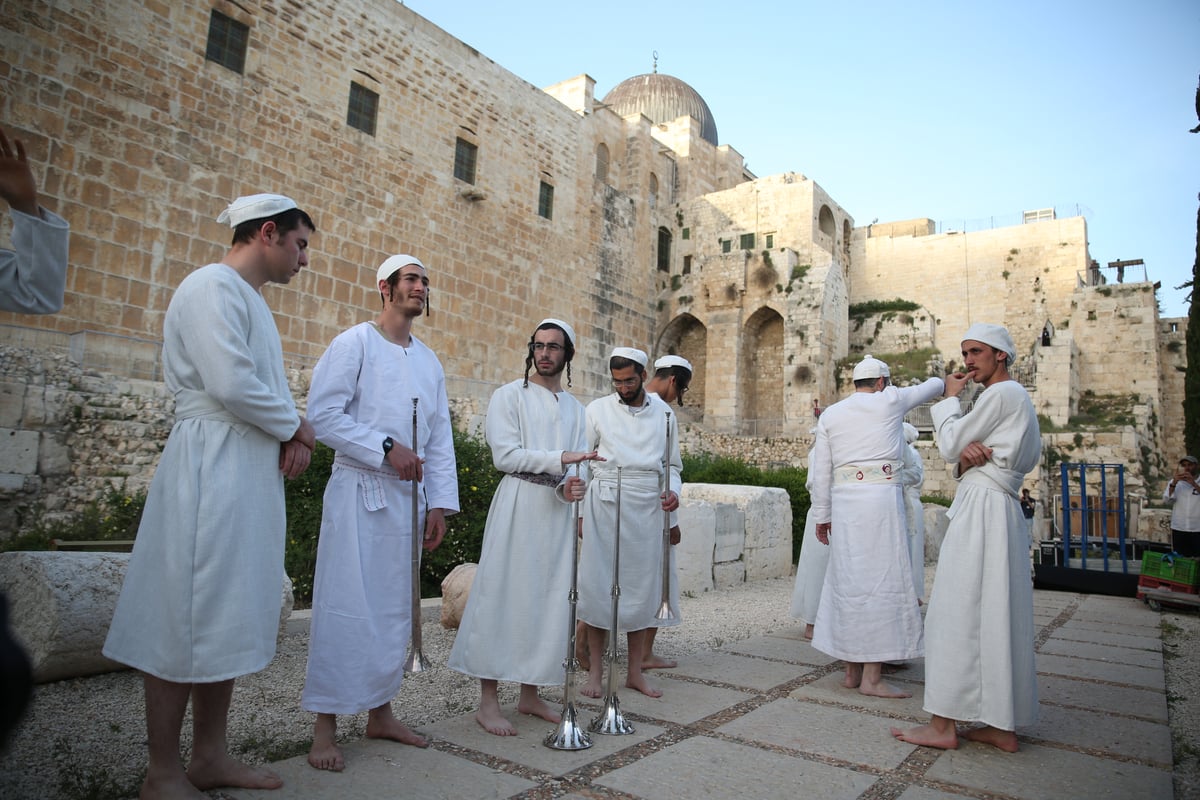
{"points": [[304, 497], [113, 517]]}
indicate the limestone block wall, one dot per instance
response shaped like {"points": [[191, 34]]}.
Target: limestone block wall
{"points": [[892, 332], [1056, 395], [1172, 357], [764, 545], [1019, 276]]}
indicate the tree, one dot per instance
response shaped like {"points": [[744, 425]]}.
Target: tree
{"points": [[1191, 378]]}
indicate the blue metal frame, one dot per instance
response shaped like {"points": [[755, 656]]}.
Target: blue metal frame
{"points": [[1086, 508]]}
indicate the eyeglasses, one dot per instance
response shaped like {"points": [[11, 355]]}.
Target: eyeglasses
{"points": [[625, 383], [549, 347]]}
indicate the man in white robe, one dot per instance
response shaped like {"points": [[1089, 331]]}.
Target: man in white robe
{"points": [[979, 660], [200, 601], [912, 475], [629, 430], [868, 612], [361, 404], [33, 275], [810, 567], [516, 623]]}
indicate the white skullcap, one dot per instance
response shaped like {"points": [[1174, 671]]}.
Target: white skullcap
{"points": [[996, 336], [672, 361], [911, 434], [567, 329], [394, 263], [631, 353], [255, 206], [871, 367]]}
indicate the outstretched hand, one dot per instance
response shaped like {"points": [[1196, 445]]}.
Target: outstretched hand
{"points": [[569, 457]]}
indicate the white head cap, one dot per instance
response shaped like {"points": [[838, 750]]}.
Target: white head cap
{"points": [[996, 336], [672, 361], [567, 329], [910, 433], [255, 206], [871, 367], [630, 353], [394, 263]]}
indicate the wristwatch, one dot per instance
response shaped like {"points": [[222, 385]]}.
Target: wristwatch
{"points": [[387, 445]]}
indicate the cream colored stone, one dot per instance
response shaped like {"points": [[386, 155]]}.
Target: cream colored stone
{"points": [[456, 587]]}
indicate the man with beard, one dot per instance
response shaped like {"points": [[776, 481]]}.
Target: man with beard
{"points": [[979, 659], [510, 629], [361, 405], [628, 430]]}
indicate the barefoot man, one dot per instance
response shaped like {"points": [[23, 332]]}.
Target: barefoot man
{"points": [[361, 404], [514, 627], [868, 611], [200, 601], [628, 429], [979, 663]]}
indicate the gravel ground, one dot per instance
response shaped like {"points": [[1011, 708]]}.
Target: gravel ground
{"points": [[85, 738]]}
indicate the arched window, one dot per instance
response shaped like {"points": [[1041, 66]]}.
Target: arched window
{"points": [[825, 222], [653, 190], [602, 163]]}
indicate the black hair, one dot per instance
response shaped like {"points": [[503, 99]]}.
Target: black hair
{"points": [[620, 362], [568, 349], [392, 281], [285, 221], [682, 376]]}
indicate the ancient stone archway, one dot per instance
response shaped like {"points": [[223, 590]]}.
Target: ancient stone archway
{"points": [[762, 382]]}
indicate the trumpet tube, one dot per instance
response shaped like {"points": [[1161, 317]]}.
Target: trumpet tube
{"points": [[664, 609], [416, 661], [610, 721], [570, 735]]}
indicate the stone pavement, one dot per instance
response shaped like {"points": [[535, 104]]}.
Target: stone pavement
{"points": [[767, 718]]}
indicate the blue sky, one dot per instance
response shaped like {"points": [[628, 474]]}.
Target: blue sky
{"points": [[957, 111]]}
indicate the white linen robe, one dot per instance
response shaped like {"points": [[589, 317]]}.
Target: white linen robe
{"points": [[200, 601], [33, 275], [979, 660], [515, 626], [361, 393], [868, 610], [911, 478], [811, 566], [635, 442]]}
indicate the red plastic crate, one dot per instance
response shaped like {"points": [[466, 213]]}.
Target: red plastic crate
{"points": [[1150, 582]]}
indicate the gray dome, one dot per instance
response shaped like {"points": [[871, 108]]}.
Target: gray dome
{"points": [[662, 98]]}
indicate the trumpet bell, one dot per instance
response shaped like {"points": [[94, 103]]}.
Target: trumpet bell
{"points": [[610, 721], [664, 612], [416, 662], [569, 735]]}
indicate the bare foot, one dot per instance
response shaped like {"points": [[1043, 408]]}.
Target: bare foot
{"points": [[228, 771], [592, 687], [391, 728], [538, 708], [808, 632], [326, 755], [639, 682], [853, 676], [658, 662], [170, 788], [492, 721], [882, 689], [928, 736], [996, 737]]}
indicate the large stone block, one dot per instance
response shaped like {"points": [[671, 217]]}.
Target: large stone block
{"points": [[936, 523], [18, 451], [697, 543], [62, 604], [456, 587], [767, 548]]}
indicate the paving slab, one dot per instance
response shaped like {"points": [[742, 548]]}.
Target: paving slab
{"points": [[829, 689], [527, 747], [782, 649], [921, 793], [702, 767], [1145, 677], [852, 736], [1075, 633], [1048, 773], [1130, 629], [1129, 738], [1092, 695], [1103, 652], [738, 670], [376, 769], [683, 702]]}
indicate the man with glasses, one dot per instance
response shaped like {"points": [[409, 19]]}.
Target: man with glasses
{"points": [[629, 430], [536, 431]]}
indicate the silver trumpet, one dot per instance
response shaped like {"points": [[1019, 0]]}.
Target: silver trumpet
{"points": [[416, 659], [569, 735], [610, 720], [664, 609]]}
